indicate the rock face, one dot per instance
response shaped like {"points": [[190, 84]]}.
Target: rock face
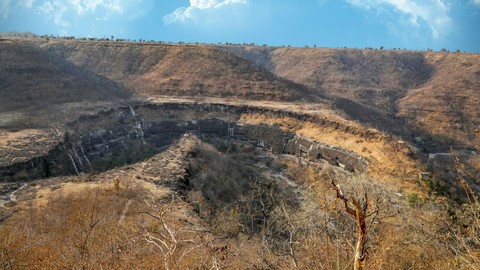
{"points": [[130, 133], [318, 151]]}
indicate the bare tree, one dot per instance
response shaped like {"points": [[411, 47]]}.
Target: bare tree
{"points": [[370, 209], [356, 207], [174, 242]]}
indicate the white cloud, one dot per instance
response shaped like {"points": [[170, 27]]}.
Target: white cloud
{"points": [[98, 10], [27, 3], [196, 6], [54, 11], [5, 6], [90, 6], [476, 2], [433, 12], [103, 8]]}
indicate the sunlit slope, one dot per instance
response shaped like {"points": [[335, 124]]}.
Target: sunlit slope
{"points": [[179, 70]]}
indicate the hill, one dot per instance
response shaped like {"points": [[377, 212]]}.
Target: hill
{"points": [[432, 93], [32, 77], [124, 155], [179, 70]]}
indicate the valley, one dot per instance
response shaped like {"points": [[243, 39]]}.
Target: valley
{"points": [[233, 150]]}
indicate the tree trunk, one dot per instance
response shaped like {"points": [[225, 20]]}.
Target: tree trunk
{"points": [[358, 211], [359, 260]]}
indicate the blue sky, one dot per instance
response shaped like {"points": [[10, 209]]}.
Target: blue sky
{"points": [[420, 24]]}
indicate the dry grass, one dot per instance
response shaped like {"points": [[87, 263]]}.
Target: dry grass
{"points": [[31, 77], [388, 162], [19, 138], [120, 219], [437, 92], [182, 70], [22, 145]]}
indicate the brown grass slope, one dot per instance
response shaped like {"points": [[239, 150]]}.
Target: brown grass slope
{"points": [[449, 104], [438, 93], [371, 77], [180, 210], [29, 76], [179, 70]]}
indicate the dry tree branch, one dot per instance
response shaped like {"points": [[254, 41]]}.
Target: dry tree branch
{"points": [[358, 210], [174, 243]]}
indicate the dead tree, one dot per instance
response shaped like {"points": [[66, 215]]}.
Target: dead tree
{"points": [[174, 242], [358, 209]]}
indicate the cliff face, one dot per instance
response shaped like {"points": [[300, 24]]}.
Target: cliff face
{"points": [[236, 120], [128, 134], [428, 99], [419, 94]]}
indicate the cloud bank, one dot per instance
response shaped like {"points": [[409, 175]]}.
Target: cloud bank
{"points": [[432, 12], [63, 12], [5, 6], [89, 6], [197, 8]]}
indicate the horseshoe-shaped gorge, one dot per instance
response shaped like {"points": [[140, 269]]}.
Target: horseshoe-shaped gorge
{"points": [[146, 155], [95, 138]]}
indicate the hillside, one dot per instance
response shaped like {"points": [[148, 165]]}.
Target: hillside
{"points": [[434, 93], [179, 70], [448, 104], [32, 77], [398, 92], [122, 155], [425, 98], [374, 78]]}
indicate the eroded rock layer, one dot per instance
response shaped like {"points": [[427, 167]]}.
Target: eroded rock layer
{"points": [[130, 133]]}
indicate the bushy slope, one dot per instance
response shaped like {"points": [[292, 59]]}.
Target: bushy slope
{"points": [[196, 206], [30, 76], [448, 105], [374, 78], [180, 70], [436, 93]]}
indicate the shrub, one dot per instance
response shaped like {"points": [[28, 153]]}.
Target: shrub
{"points": [[414, 200]]}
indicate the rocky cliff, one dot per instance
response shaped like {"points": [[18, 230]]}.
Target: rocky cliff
{"points": [[130, 133]]}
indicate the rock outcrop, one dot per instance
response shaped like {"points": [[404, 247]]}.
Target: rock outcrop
{"points": [[130, 133]]}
